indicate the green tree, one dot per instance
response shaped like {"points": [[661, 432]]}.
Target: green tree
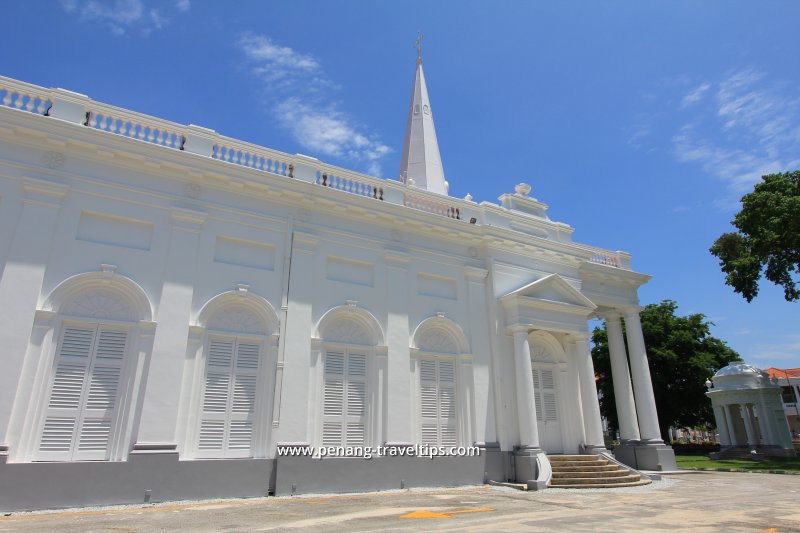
{"points": [[768, 239], [682, 355]]}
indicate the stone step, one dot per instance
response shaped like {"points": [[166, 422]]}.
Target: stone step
{"points": [[581, 464], [630, 478], [560, 458], [601, 468], [582, 475], [603, 485]]}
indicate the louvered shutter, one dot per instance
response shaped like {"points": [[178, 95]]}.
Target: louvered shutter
{"points": [[333, 401], [549, 396], [545, 392], [84, 394], [428, 401], [243, 404], [229, 399], [344, 407], [438, 403], [216, 398], [447, 403], [536, 392]]}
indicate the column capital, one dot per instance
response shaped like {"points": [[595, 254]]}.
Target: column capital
{"points": [[514, 329], [582, 336], [475, 273], [612, 314]]}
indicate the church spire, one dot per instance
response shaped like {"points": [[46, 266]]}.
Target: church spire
{"points": [[421, 159]]}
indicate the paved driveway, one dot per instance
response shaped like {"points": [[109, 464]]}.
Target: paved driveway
{"points": [[698, 502]]}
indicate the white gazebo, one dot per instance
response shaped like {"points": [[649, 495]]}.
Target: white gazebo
{"points": [[749, 412]]}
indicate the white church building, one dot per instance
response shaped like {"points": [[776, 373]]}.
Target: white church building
{"points": [[177, 305]]}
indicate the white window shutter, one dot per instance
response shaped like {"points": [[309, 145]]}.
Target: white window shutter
{"points": [[84, 395], [344, 399], [438, 403], [229, 399], [545, 393], [333, 401]]}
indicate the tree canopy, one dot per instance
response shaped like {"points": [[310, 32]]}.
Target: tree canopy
{"points": [[682, 355], [768, 239]]}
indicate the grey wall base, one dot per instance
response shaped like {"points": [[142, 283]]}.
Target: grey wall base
{"points": [[154, 477], [306, 475], [657, 457], [27, 486]]}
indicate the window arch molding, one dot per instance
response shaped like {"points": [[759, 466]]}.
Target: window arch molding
{"points": [[268, 322], [546, 348], [93, 305], [350, 324], [68, 290], [247, 325], [438, 334]]}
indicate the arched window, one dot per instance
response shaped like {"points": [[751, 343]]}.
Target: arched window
{"points": [[349, 337], [547, 357], [232, 405], [442, 402], [437, 391], [87, 388]]}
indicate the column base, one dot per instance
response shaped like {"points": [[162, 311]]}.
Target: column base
{"points": [[592, 449], [525, 467], [644, 455]]}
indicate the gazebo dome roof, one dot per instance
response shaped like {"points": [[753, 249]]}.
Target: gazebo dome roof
{"points": [[738, 369], [740, 376]]}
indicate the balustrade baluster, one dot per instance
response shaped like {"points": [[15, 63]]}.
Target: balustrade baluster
{"points": [[30, 103], [7, 98]]}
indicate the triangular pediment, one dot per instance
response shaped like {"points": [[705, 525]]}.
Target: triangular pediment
{"points": [[552, 288]]}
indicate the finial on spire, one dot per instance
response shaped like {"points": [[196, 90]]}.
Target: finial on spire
{"points": [[418, 46]]}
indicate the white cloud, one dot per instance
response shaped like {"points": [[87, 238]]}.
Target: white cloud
{"points": [[783, 348], [296, 93], [122, 17], [695, 95], [749, 128]]}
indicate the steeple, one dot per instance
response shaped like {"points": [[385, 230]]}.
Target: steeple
{"points": [[421, 159]]}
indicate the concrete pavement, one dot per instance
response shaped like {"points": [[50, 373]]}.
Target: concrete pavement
{"points": [[708, 501]]}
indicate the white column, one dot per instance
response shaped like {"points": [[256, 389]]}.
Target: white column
{"points": [[293, 407], [729, 421], [623, 390], [642, 384], [398, 420], [590, 404], [526, 400], [722, 426], [480, 329], [752, 442], [158, 427], [20, 288], [762, 423]]}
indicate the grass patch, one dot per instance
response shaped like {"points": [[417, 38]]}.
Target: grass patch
{"points": [[788, 464]]}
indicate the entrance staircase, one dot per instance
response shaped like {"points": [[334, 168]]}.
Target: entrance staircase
{"points": [[591, 472]]}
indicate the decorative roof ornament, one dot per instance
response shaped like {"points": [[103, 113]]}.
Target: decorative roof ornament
{"points": [[418, 46], [421, 161]]}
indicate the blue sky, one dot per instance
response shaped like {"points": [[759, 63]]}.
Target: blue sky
{"points": [[641, 124]]}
